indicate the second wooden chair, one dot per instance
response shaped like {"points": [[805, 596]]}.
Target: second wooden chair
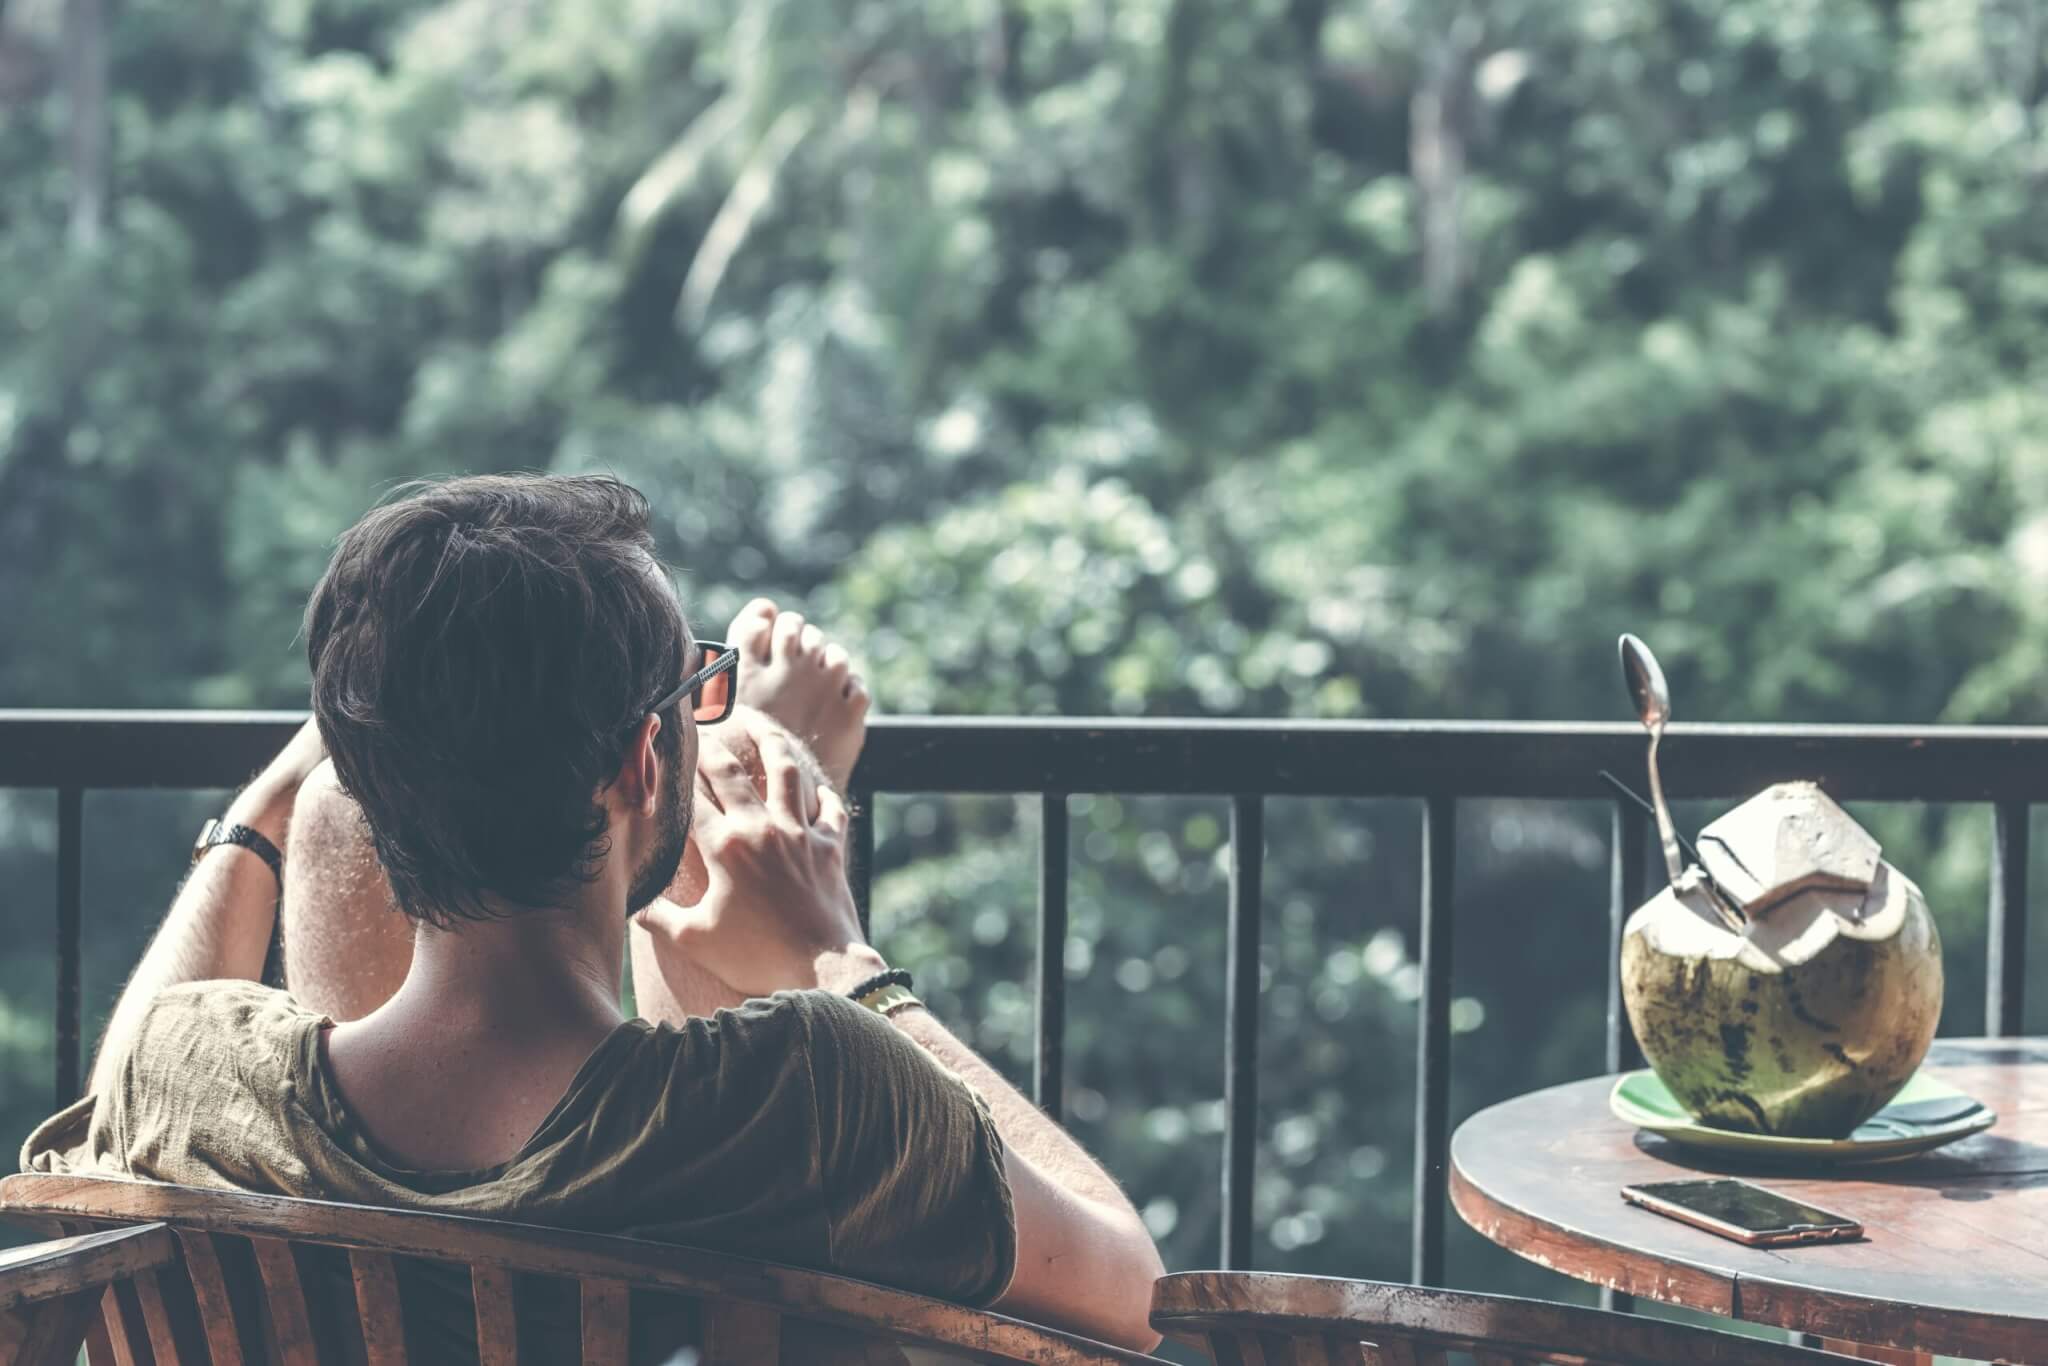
{"points": [[1258, 1319], [51, 1293]]}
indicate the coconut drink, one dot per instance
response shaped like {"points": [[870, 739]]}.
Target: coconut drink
{"points": [[1789, 982]]}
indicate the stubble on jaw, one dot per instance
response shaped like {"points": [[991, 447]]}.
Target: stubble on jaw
{"points": [[660, 867]]}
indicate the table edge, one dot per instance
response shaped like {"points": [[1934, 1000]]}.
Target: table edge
{"points": [[1983, 1335], [1622, 1269]]}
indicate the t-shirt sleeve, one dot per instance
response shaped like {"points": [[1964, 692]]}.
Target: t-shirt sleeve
{"points": [[913, 1167], [195, 1100]]}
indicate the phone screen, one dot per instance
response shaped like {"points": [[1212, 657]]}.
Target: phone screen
{"points": [[1747, 1207]]}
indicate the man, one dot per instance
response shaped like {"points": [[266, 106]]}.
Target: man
{"points": [[348, 947], [506, 686]]}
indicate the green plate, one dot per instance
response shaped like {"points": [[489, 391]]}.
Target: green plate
{"points": [[1924, 1115]]}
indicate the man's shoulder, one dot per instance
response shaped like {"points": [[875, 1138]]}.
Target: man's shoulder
{"points": [[792, 1032], [196, 1019], [210, 1065], [234, 1006], [793, 1018], [835, 1031], [231, 995]]}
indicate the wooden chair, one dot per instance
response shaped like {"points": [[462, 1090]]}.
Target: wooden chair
{"points": [[49, 1292], [265, 1281], [1255, 1319]]}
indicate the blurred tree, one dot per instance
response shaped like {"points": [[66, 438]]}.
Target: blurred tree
{"points": [[1171, 357]]}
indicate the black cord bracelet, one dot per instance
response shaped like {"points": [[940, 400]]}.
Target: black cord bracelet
{"points": [[894, 977]]}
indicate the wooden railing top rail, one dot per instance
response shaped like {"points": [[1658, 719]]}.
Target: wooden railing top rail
{"points": [[126, 749]]}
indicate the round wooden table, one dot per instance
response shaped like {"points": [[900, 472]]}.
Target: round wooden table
{"points": [[1955, 1255]]}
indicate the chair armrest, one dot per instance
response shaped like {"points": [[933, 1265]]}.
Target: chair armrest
{"points": [[65, 1266]]}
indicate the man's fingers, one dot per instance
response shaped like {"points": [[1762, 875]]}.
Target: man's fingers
{"points": [[785, 780], [789, 628], [833, 814]]}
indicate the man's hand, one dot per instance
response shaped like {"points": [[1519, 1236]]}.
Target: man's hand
{"points": [[776, 913], [265, 805]]}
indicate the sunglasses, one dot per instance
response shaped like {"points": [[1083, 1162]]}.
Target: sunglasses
{"points": [[713, 689]]}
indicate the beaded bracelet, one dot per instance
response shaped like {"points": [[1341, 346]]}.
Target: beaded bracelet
{"points": [[894, 977]]}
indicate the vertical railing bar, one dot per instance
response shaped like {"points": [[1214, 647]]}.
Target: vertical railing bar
{"points": [[1048, 1077], [1627, 887], [2005, 936], [1433, 1042], [70, 903], [860, 854], [1241, 1027], [1627, 878]]}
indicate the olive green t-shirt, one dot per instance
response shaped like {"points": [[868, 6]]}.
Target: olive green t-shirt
{"points": [[802, 1129]]}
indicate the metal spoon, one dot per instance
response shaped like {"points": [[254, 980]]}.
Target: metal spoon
{"points": [[1652, 698]]}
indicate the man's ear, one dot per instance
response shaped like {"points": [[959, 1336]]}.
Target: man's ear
{"points": [[639, 777]]}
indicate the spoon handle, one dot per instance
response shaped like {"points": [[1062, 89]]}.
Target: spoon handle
{"points": [[1667, 833]]}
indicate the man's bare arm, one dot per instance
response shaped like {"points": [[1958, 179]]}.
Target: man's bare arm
{"points": [[775, 913], [1083, 1254], [219, 924]]}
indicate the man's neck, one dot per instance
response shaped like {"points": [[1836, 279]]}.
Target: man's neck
{"points": [[483, 1038], [532, 971]]}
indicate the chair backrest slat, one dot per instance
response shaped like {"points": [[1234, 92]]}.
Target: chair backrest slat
{"points": [[286, 1296], [1311, 1351], [210, 1293], [156, 1318], [97, 1347], [1248, 1349], [378, 1307], [1344, 1350], [48, 1332], [497, 1316], [741, 1334], [126, 1336], [607, 1324]]}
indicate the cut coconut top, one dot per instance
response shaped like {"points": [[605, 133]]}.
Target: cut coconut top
{"points": [[1788, 839], [1681, 921]]}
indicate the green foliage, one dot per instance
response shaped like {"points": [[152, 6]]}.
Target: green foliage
{"points": [[1374, 358]]}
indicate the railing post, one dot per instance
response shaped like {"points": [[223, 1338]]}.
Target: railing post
{"points": [[1048, 1076], [1433, 1042], [2005, 931], [1626, 887], [1241, 1028], [70, 902], [860, 853]]}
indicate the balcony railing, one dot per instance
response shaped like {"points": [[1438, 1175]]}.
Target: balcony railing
{"points": [[1436, 763]]}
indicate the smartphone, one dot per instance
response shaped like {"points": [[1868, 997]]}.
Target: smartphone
{"points": [[1748, 1214]]}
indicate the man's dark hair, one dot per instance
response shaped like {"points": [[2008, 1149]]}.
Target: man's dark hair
{"points": [[482, 650]]}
